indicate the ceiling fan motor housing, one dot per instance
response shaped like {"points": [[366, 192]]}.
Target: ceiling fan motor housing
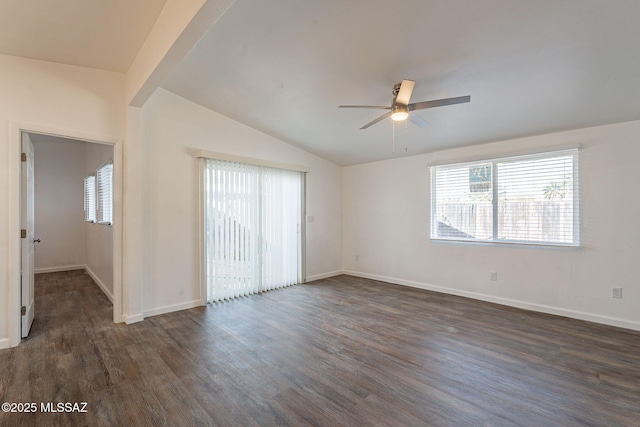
{"points": [[396, 89]]}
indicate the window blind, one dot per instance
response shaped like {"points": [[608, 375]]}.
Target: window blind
{"points": [[104, 184], [90, 198], [252, 223], [524, 199]]}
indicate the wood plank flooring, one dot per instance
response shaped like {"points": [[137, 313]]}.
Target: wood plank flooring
{"points": [[337, 352]]}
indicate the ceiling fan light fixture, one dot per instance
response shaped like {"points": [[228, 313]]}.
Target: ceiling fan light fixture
{"points": [[399, 113], [401, 106]]}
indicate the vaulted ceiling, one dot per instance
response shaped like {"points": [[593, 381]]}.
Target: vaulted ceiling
{"points": [[284, 66]]}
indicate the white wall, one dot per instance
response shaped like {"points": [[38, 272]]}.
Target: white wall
{"points": [[386, 223], [45, 95], [59, 218], [174, 129], [98, 237]]}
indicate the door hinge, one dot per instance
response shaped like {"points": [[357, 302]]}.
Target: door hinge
{"points": [[23, 310], [23, 234], [23, 157]]}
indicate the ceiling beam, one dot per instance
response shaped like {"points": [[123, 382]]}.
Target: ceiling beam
{"points": [[180, 25]]}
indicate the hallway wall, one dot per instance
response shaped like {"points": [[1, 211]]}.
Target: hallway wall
{"points": [[59, 216]]}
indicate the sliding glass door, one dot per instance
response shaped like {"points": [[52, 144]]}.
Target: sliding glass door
{"points": [[252, 228]]}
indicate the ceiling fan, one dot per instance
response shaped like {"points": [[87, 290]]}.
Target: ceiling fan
{"points": [[400, 108]]}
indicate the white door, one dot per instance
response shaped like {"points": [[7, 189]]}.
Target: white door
{"points": [[27, 225]]}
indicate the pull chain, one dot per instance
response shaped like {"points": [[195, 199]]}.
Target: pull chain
{"points": [[406, 128], [393, 139]]}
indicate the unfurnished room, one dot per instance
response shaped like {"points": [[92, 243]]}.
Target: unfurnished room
{"points": [[336, 213]]}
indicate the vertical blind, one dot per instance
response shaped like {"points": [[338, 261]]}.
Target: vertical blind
{"points": [[252, 226], [523, 199]]}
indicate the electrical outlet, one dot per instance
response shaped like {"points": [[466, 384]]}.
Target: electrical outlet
{"points": [[616, 292], [493, 276], [357, 258]]}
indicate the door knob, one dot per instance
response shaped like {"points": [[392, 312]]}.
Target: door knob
{"points": [[36, 240]]}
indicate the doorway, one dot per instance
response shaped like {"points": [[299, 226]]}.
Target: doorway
{"points": [[105, 260], [65, 239]]}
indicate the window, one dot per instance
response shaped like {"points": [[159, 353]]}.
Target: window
{"points": [[90, 198], [529, 199], [252, 228], [104, 194]]}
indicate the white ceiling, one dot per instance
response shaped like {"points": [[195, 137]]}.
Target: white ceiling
{"points": [[103, 34], [531, 67], [283, 66]]}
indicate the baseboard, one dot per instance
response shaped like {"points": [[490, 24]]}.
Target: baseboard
{"points": [[99, 283], [59, 269], [4, 343], [323, 276], [574, 314], [134, 318], [171, 308]]}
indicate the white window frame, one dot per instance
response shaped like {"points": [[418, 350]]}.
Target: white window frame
{"points": [[573, 151], [90, 198], [104, 194]]}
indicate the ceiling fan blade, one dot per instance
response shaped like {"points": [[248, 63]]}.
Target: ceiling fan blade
{"points": [[384, 116], [417, 120], [379, 107], [439, 103], [404, 94]]}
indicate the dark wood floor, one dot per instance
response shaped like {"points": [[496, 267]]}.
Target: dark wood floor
{"points": [[337, 352]]}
